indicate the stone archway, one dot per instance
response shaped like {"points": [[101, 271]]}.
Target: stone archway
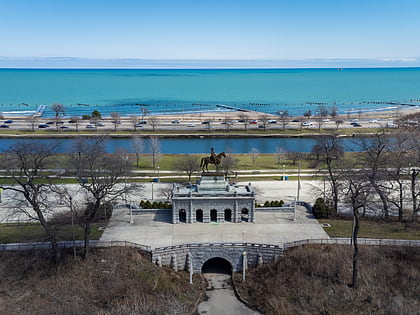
{"points": [[213, 215], [182, 216], [199, 215], [217, 265], [228, 215], [244, 215]]}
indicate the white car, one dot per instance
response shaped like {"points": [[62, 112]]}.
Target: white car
{"points": [[191, 125], [391, 125], [90, 126], [307, 123], [373, 121]]}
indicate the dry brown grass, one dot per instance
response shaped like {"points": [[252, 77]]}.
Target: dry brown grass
{"points": [[314, 280], [111, 281]]}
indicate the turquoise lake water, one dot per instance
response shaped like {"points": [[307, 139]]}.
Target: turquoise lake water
{"points": [[265, 90]]}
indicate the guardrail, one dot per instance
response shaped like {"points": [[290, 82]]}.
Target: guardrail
{"points": [[69, 244], [348, 241], [224, 245]]}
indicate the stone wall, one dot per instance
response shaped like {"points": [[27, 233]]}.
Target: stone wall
{"points": [[178, 257]]}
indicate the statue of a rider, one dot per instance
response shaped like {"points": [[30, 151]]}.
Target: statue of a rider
{"points": [[212, 156]]}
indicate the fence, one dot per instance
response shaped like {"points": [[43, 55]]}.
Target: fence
{"points": [[348, 241]]}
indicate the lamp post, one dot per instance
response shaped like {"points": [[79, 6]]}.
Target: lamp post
{"points": [[158, 174], [284, 172]]}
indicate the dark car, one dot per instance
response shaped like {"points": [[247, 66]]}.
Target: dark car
{"points": [[50, 123], [4, 126], [8, 122], [44, 126], [72, 121], [357, 125], [143, 122], [205, 123], [64, 127], [295, 120]]}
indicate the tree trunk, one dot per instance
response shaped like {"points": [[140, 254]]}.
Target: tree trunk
{"points": [[89, 219], [382, 197], [50, 233], [354, 280], [414, 175]]}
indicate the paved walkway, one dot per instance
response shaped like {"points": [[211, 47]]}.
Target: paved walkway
{"points": [[222, 299], [156, 230]]}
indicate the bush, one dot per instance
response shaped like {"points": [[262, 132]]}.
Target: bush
{"points": [[321, 209], [96, 114], [85, 117]]}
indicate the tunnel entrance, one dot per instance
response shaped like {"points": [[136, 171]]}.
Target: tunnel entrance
{"points": [[217, 265]]}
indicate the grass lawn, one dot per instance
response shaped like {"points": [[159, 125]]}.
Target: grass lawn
{"points": [[33, 232], [373, 229]]}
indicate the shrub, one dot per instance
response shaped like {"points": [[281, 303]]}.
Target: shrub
{"points": [[321, 208]]}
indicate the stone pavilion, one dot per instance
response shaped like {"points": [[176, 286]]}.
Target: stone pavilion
{"points": [[213, 199]]}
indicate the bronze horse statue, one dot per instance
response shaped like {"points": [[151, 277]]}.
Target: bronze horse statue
{"points": [[205, 161]]}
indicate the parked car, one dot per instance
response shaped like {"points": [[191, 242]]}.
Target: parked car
{"points": [[64, 127], [357, 125], [295, 120], [4, 126], [8, 122], [391, 125], [50, 123], [138, 125], [143, 122], [72, 121], [43, 126], [272, 121], [205, 123], [191, 125], [253, 122], [374, 121], [307, 124], [175, 121], [100, 124], [90, 126], [261, 126]]}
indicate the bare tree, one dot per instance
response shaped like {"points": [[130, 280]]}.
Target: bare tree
{"points": [[166, 192], [144, 112], [115, 119], [307, 114], [279, 156], [229, 162], [187, 163], [32, 122], [76, 120], [134, 120], [245, 120], [357, 193], [227, 122], [330, 150], [264, 121], [101, 176], [284, 118], [254, 155], [138, 146], [58, 110], [293, 156], [26, 163], [333, 111], [374, 161], [338, 122], [154, 122], [155, 150]]}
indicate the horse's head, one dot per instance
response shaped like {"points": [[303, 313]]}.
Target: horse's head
{"points": [[222, 154]]}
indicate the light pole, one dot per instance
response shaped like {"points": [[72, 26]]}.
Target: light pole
{"points": [[284, 172], [158, 174], [152, 189]]}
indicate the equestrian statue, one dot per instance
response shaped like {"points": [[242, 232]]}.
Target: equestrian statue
{"points": [[214, 158]]}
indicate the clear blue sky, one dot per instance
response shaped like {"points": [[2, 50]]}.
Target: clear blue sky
{"points": [[199, 29]]}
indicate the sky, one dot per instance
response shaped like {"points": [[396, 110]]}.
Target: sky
{"points": [[164, 33]]}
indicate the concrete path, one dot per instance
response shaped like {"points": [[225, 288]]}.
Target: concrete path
{"points": [[156, 230], [222, 299]]}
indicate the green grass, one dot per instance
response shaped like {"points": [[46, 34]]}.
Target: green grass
{"points": [[373, 229], [33, 232]]}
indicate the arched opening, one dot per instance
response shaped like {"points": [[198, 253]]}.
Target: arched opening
{"points": [[182, 216], [245, 215], [199, 215], [228, 215], [217, 265], [213, 215]]}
